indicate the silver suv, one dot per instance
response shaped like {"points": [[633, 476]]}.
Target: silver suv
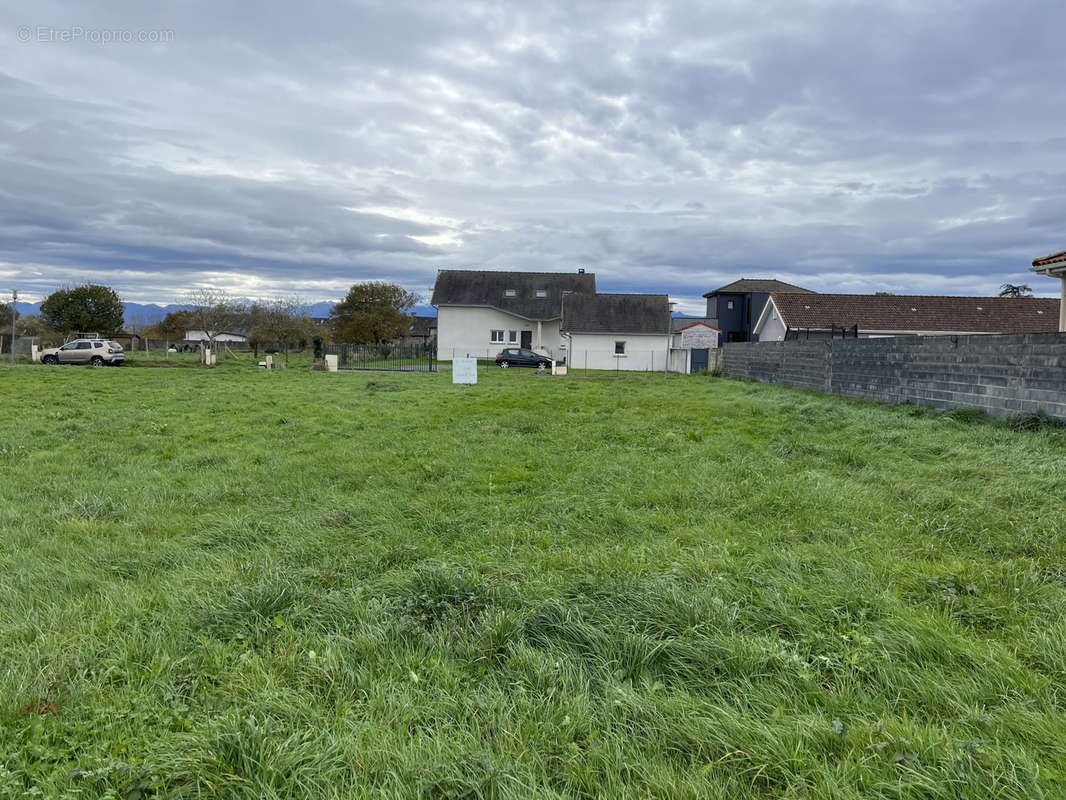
{"points": [[85, 351]]}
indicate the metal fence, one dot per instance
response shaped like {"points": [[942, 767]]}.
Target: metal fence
{"points": [[409, 357], [22, 345]]}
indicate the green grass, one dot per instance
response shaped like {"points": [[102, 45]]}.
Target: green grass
{"points": [[234, 583]]}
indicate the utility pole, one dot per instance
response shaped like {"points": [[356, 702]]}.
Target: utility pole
{"points": [[14, 313], [669, 334]]}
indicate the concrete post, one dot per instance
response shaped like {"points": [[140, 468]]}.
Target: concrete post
{"points": [[1062, 305]]}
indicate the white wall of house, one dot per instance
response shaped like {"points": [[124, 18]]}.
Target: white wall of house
{"points": [[696, 336], [467, 331], [643, 351], [201, 336], [772, 328]]}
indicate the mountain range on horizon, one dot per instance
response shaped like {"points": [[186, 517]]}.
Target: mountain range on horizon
{"points": [[149, 313]]}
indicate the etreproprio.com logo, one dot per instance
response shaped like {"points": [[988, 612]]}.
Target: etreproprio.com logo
{"points": [[76, 33]]}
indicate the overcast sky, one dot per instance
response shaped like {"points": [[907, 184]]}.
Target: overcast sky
{"points": [[288, 147]]}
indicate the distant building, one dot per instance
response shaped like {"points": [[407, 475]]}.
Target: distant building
{"points": [[735, 307], [128, 339], [480, 311], [225, 336], [798, 316], [696, 332], [423, 328]]}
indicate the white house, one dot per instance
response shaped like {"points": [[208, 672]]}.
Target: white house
{"points": [[225, 336], [480, 311], [1054, 266], [617, 331], [789, 315]]}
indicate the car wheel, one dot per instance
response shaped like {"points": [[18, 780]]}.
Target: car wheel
{"points": [[96, 361], [50, 360], [505, 364]]}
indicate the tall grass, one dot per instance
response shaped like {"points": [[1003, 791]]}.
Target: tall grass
{"points": [[239, 584]]}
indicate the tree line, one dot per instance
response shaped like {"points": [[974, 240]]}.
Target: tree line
{"points": [[371, 312]]}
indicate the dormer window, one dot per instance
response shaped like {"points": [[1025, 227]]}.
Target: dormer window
{"points": [[542, 292], [510, 293]]}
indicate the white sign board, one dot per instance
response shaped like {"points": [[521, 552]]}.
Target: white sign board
{"points": [[464, 370]]}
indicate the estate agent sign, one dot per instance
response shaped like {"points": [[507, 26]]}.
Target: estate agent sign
{"points": [[464, 370]]}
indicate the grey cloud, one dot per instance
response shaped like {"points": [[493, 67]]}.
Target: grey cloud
{"points": [[669, 146]]}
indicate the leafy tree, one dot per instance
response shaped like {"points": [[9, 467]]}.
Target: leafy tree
{"points": [[1015, 290], [91, 307], [33, 325], [373, 312], [172, 327]]}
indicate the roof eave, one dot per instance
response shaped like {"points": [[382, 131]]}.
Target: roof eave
{"points": [[1053, 270], [612, 332], [502, 310], [902, 332]]}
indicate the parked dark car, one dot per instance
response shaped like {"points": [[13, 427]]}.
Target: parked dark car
{"points": [[520, 357]]}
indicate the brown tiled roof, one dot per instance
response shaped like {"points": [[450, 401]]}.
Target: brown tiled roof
{"points": [[902, 312], [745, 285], [1051, 259], [684, 323]]}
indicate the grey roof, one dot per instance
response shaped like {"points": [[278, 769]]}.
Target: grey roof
{"points": [[462, 287], [616, 313], [423, 325], [745, 285], [684, 322]]}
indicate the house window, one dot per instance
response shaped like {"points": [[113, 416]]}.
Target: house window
{"points": [[542, 292], [497, 337], [619, 348], [510, 293], [512, 336], [729, 304]]}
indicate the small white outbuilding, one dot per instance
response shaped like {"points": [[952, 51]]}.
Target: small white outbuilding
{"points": [[630, 332]]}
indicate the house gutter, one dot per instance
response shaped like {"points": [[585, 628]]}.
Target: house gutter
{"points": [[496, 308]]}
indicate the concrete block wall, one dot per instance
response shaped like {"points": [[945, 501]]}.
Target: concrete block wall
{"points": [[1003, 375]]}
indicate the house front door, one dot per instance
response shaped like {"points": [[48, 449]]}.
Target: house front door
{"points": [[527, 340]]}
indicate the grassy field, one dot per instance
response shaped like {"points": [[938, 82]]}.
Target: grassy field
{"points": [[233, 583]]}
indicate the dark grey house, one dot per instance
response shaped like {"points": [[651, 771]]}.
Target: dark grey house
{"points": [[735, 308]]}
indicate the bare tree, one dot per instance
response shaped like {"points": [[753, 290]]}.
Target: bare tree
{"points": [[281, 321], [213, 312], [137, 322]]}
